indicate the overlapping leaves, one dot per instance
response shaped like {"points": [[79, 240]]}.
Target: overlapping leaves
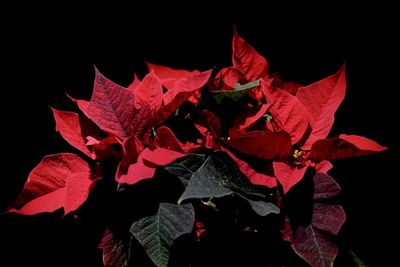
{"points": [[245, 129]]}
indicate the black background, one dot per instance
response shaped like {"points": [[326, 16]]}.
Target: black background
{"points": [[47, 53]]}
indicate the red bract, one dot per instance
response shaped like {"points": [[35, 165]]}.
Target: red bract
{"points": [[344, 146], [218, 136], [149, 92], [246, 59], [168, 75], [112, 107], [265, 145], [59, 181], [322, 99], [69, 125], [287, 112], [305, 113], [182, 90]]}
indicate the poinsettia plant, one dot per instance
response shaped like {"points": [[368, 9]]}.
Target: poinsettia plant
{"points": [[187, 157]]}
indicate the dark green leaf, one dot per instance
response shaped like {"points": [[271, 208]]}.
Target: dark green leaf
{"points": [[157, 233], [356, 260], [237, 94], [184, 168], [208, 181], [219, 176], [262, 207]]}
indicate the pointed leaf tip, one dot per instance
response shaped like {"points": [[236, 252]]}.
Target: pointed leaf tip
{"points": [[112, 107]]}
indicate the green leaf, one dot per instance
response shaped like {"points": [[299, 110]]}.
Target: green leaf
{"points": [[356, 260], [219, 176], [184, 168], [208, 181], [157, 233], [237, 94], [262, 207]]}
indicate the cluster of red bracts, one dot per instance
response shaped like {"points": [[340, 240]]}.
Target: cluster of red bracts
{"points": [[284, 125]]}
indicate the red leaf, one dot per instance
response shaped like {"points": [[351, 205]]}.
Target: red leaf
{"points": [[49, 187], [328, 218], [77, 190], [226, 78], [208, 121], [160, 156], [290, 87], [287, 112], [286, 231], [325, 187], [323, 166], [311, 244], [169, 75], [112, 107], [265, 145], [249, 117], [314, 247], [46, 203], [132, 147], [246, 59], [310, 241], [51, 174], [165, 138], [137, 172], [146, 164], [105, 149], [113, 250], [69, 126], [149, 92], [82, 104], [344, 146], [322, 99], [186, 85], [135, 83], [182, 90], [200, 228], [288, 175], [142, 124], [255, 177]]}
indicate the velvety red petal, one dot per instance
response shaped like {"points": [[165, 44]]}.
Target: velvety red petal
{"points": [[68, 125], [112, 107], [182, 90], [149, 92], [344, 146], [208, 121], [248, 118], [287, 112], [255, 177], [137, 172], [45, 203], [323, 166], [246, 59], [135, 83], [50, 175], [77, 190], [82, 104], [265, 145], [322, 99], [288, 175], [165, 138], [132, 147], [160, 156], [169, 75]]}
